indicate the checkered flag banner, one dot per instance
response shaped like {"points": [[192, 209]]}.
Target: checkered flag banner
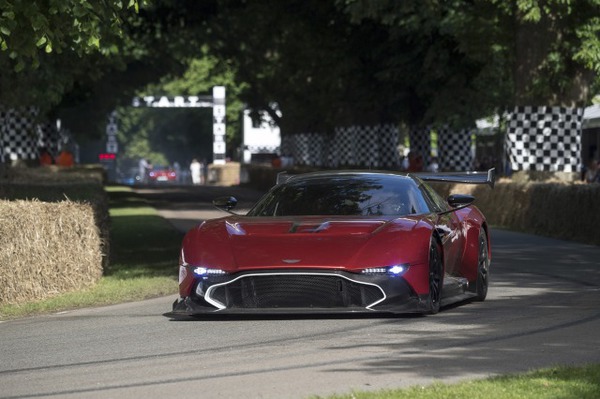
{"points": [[308, 149], [49, 137], [18, 134], [373, 146], [342, 152], [455, 152], [366, 146], [545, 139]]}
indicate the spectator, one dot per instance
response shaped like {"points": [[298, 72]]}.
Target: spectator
{"points": [[415, 162], [196, 171], [434, 166], [65, 159], [143, 167], [592, 174], [177, 169], [45, 157]]}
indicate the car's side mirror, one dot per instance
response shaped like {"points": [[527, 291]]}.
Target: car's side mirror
{"points": [[460, 200], [225, 203]]}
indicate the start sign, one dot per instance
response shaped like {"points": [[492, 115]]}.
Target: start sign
{"points": [[216, 102]]}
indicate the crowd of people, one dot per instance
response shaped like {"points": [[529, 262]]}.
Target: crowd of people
{"points": [[64, 159]]}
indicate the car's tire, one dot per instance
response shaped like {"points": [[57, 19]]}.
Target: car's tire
{"points": [[483, 268], [436, 277]]}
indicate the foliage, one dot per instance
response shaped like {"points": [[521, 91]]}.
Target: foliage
{"points": [[29, 28], [304, 59], [48, 46], [521, 52], [312, 64]]}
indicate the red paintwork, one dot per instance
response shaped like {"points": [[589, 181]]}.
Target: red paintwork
{"points": [[162, 175], [239, 243]]}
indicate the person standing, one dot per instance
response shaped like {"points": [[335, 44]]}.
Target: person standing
{"points": [[143, 166], [196, 172], [177, 169], [65, 159], [45, 157], [592, 174]]}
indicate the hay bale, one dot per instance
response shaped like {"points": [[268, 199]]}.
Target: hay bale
{"points": [[552, 209], [83, 191], [47, 249], [54, 174]]}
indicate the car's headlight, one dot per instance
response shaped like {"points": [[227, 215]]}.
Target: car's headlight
{"points": [[205, 271], [395, 270]]}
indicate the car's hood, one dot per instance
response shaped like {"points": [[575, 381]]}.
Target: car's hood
{"points": [[303, 242]]}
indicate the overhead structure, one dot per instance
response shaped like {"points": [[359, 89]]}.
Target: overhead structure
{"points": [[216, 102]]}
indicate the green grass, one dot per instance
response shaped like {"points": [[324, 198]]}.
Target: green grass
{"points": [[554, 383], [143, 263]]}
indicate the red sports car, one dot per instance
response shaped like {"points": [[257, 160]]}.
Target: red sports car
{"points": [[162, 175], [341, 241]]}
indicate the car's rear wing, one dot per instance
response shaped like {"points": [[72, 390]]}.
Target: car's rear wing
{"points": [[449, 177], [488, 177], [282, 177]]}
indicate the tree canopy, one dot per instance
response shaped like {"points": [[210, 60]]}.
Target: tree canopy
{"points": [[322, 63]]}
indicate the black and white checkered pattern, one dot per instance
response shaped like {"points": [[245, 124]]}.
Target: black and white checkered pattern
{"points": [[455, 150], [343, 149], [18, 134], [545, 139], [308, 149], [268, 149], [49, 137], [364, 146], [388, 146], [367, 146]]}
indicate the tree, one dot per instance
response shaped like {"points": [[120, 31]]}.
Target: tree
{"points": [[30, 28], [45, 48], [543, 52]]}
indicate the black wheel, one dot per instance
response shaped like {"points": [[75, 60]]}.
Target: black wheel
{"points": [[436, 277], [483, 268]]}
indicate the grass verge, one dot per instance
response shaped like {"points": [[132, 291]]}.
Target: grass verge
{"points": [[559, 382], [143, 260]]}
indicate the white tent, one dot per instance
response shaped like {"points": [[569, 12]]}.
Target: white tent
{"points": [[591, 117]]}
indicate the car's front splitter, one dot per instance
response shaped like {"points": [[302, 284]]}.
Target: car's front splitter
{"points": [[396, 296]]}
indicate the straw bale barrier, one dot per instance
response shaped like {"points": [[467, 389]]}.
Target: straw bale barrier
{"points": [[565, 211], [47, 249], [53, 174], [82, 184]]}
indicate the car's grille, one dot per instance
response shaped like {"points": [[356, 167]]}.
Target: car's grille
{"points": [[283, 290]]}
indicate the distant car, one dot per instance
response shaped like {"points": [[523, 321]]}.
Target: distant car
{"points": [[342, 241], [162, 175], [129, 177]]}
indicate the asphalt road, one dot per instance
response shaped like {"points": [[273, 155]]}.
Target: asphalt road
{"points": [[543, 309]]}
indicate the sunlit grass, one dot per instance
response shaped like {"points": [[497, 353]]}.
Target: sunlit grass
{"points": [[559, 382], [143, 263]]}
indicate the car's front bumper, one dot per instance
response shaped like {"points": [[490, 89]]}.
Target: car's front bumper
{"points": [[280, 292]]}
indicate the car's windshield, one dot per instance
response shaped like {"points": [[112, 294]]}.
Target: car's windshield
{"points": [[359, 195]]}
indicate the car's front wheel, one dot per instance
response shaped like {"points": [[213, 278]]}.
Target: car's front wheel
{"points": [[436, 276]]}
